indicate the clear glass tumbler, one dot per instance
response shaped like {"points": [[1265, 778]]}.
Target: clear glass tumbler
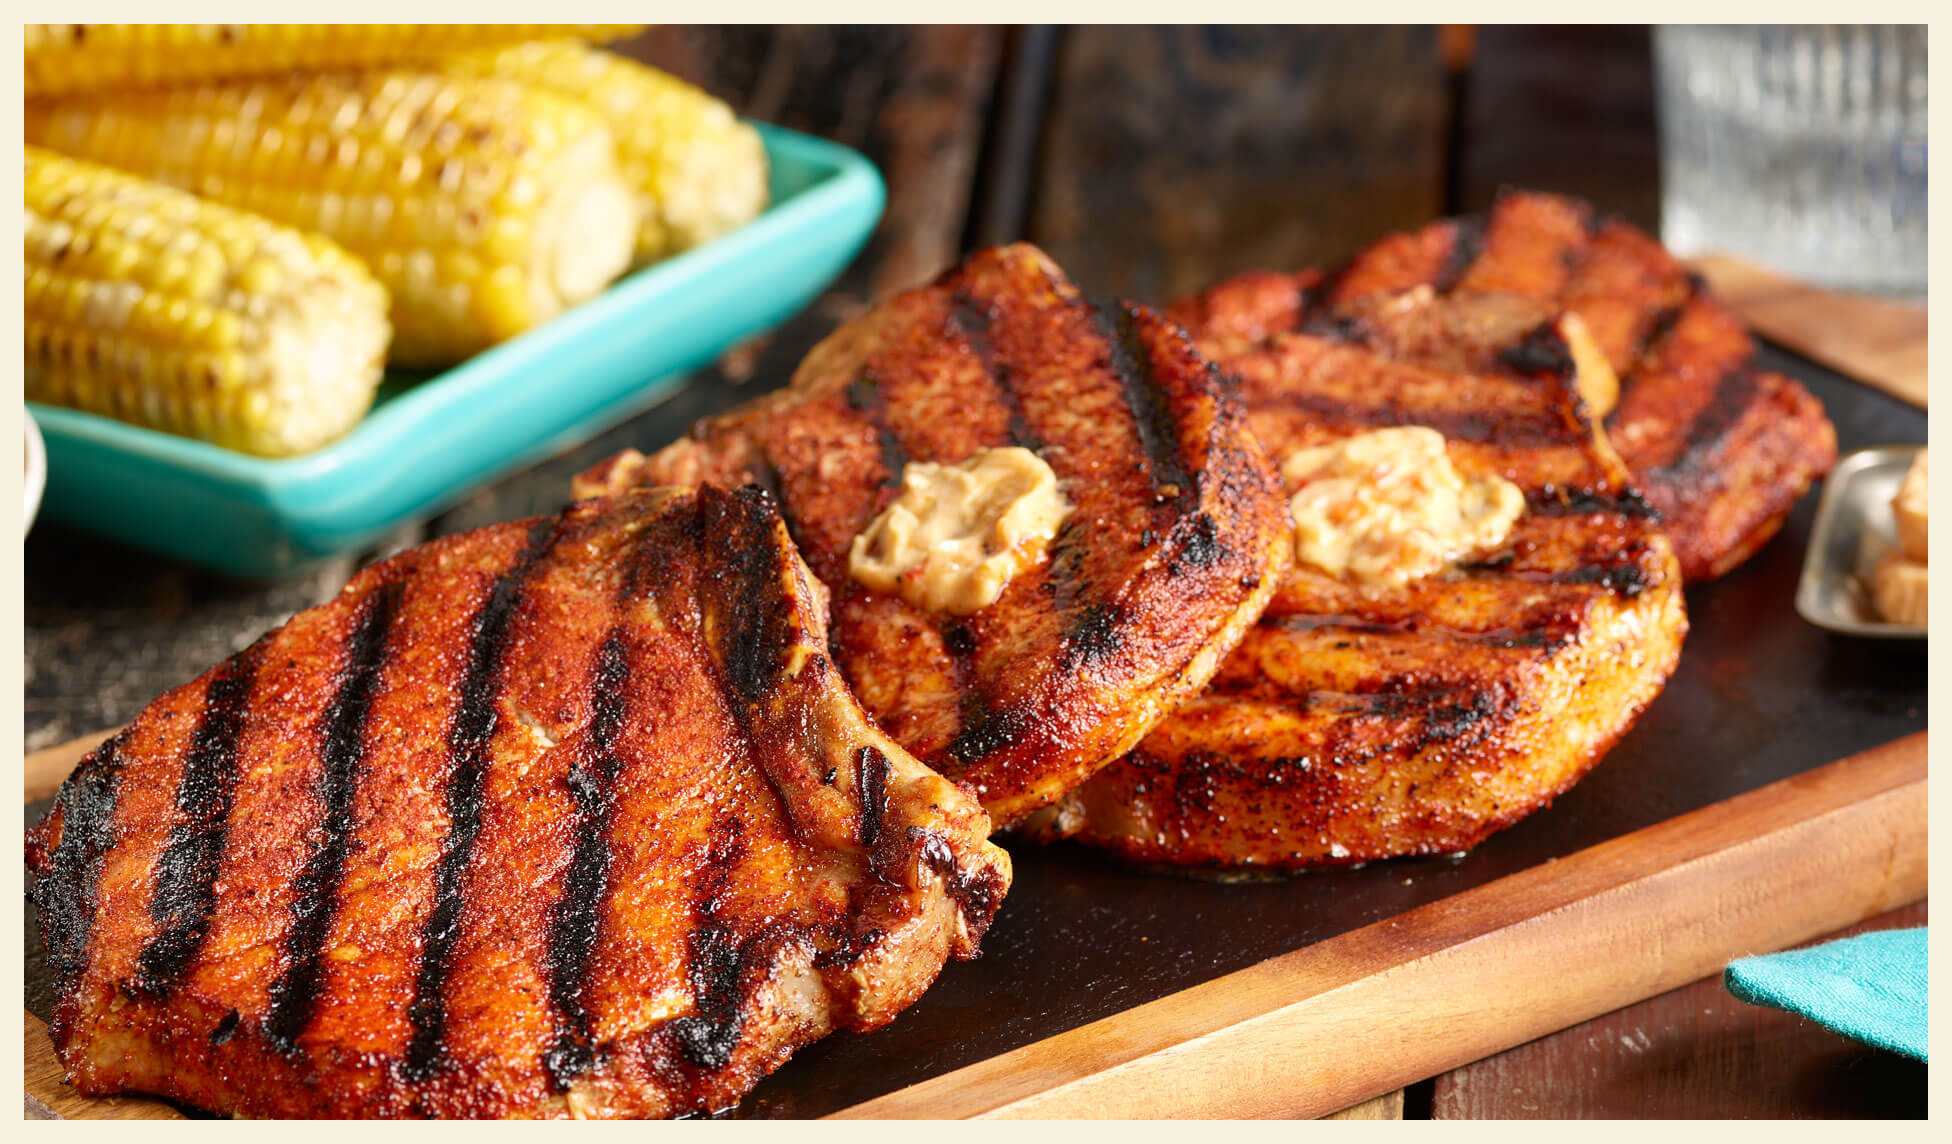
{"points": [[1800, 147]]}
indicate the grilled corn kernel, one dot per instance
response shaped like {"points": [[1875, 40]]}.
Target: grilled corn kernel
{"points": [[445, 169], [697, 169], [64, 58], [272, 345]]}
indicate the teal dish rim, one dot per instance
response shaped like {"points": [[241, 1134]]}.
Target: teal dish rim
{"points": [[827, 200]]}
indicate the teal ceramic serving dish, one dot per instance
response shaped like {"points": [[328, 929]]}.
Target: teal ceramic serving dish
{"points": [[431, 441]]}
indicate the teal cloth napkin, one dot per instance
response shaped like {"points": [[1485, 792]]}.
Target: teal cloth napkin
{"points": [[1870, 988]]}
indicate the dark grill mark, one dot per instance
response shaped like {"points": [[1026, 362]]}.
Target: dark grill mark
{"points": [[1509, 429], [225, 1030], [65, 895], [871, 784], [1448, 721], [467, 742], [707, 1037], [315, 892], [185, 890], [1342, 329], [864, 396], [1656, 333], [1542, 351], [986, 730], [592, 781], [972, 320], [756, 627], [1095, 635], [1466, 244], [1734, 396], [1199, 543], [1623, 579], [1622, 575], [1552, 635], [1151, 410], [1556, 500]]}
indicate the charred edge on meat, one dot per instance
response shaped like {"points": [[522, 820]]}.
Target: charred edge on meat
{"points": [[865, 397], [755, 628], [66, 894], [1148, 403], [592, 782], [468, 737], [185, 886], [976, 895], [1466, 245], [871, 786], [315, 892], [971, 320]]}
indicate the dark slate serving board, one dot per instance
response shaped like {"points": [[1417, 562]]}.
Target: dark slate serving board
{"points": [[1759, 696]]}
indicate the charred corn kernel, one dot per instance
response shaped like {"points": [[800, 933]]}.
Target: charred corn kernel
{"points": [[274, 347], [698, 171], [64, 58], [479, 160]]}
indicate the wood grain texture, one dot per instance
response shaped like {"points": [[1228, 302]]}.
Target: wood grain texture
{"points": [[1388, 1106], [1879, 341], [44, 771], [1173, 157], [1486, 969], [1561, 107], [49, 1097], [1693, 1053]]}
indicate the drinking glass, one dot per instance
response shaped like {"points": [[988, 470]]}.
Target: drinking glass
{"points": [[1800, 147]]}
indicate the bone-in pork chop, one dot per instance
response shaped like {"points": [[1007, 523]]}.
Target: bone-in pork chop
{"points": [[566, 817]]}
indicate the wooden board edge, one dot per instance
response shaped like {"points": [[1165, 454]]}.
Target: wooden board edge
{"points": [[1293, 1036], [49, 1096], [43, 771], [1483, 970], [1878, 341]]}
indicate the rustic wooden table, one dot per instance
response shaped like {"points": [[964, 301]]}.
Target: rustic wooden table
{"points": [[1147, 162]]}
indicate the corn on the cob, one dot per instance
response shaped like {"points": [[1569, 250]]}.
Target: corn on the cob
{"points": [[149, 305], [62, 58], [484, 205], [697, 169]]}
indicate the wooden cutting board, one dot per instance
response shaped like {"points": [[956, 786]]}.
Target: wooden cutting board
{"points": [[1539, 933]]}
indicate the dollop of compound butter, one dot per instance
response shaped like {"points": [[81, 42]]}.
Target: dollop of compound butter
{"points": [[958, 534], [1387, 507]]}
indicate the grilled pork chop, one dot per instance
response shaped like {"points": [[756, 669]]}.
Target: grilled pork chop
{"points": [[1364, 722], [1172, 547], [1722, 449], [571, 816]]}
